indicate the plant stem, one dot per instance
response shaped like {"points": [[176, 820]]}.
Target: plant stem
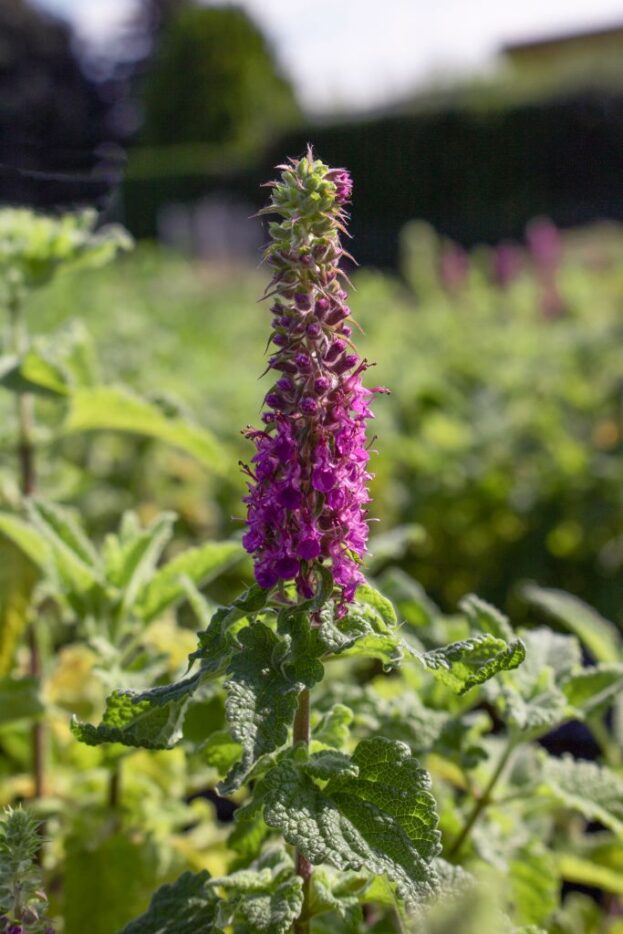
{"points": [[26, 454], [114, 786], [484, 800], [300, 734]]}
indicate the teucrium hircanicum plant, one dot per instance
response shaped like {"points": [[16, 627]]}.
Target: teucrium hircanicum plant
{"points": [[358, 816]]}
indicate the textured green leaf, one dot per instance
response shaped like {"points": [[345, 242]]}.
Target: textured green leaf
{"points": [[188, 906], [599, 635], [261, 699], [334, 727], [531, 698], [383, 820], [463, 665], [247, 605], [593, 790], [152, 719], [266, 897], [115, 408], [199, 565], [403, 717], [337, 893], [19, 699], [366, 630], [592, 690], [329, 762], [302, 649], [377, 606]]}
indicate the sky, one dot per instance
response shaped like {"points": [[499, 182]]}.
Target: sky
{"points": [[359, 54]]}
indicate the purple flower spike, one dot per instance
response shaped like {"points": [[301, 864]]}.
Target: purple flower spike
{"points": [[307, 498]]}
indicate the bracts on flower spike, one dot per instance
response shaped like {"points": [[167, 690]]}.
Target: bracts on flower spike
{"points": [[308, 493]]}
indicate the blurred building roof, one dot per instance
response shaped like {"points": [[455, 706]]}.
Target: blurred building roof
{"points": [[596, 38], [579, 60]]}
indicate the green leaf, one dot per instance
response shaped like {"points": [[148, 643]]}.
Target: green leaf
{"points": [[337, 893], [34, 372], [333, 729], [18, 577], [200, 565], [220, 751], [132, 556], [154, 719], [19, 699], [302, 649], [151, 720], [261, 699], [62, 528], [329, 762], [188, 906], [267, 897], [250, 829], [114, 408], [582, 871], [592, 690], [367, 630], [384, 820], [531, 698], [534, 884], [463, 665], [599, 635], [25, 537], [74, 561], [75, 350], [377, 607], [592, 790], [247, 605]]}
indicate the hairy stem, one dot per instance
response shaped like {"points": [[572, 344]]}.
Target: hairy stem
{"points": [[300, 734], [484, 800], [27, 477]]}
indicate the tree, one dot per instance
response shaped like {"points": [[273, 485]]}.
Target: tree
{"points": [[214, 80], [52, 119]]}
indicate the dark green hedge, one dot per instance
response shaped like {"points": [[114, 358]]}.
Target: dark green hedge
{"points": [[476, 175]]}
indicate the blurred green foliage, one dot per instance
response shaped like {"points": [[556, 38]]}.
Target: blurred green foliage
{"points": [[499, 457], [503, 437]]}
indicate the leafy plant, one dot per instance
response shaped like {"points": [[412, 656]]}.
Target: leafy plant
{"points": [[23, 904], [366, 809]]}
